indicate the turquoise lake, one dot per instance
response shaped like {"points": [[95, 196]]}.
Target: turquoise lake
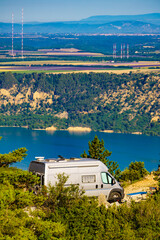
{"points": [[125, 147]]}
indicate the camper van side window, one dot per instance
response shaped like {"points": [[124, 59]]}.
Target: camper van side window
{"points": [[106, 178], [88, 178]]}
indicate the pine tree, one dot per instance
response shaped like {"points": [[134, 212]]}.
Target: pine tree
{"points": [[12, 157], [98, 151]]}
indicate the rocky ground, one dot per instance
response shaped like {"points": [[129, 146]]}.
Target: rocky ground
{"points": [[143, 185]]}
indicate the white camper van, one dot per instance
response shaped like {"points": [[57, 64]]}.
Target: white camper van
{"points": [[90, 174]]}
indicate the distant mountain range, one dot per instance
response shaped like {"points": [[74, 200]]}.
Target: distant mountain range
{"points": [[153, 18], [123, 24]]}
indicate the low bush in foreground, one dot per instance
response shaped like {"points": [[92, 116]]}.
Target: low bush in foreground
{"points": [[64, 213]]}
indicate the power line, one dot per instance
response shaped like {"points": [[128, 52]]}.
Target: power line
{"points": [[22, 32], [124, 53], [114, 50], [12, 34], [127, 50]]}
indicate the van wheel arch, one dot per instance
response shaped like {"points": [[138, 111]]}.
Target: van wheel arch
{"points": [[115, 196]]}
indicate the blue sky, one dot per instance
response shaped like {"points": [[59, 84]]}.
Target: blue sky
{"points": [[66, 10]]}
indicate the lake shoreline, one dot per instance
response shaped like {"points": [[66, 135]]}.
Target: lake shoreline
{"points": [[125, 148], [78, 129], [84, 129]]}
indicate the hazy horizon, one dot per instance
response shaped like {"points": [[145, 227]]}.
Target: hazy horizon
{"points": [[72, 10], [26, 22]]}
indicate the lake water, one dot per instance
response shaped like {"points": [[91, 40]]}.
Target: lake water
{"points": [[125, 147]]}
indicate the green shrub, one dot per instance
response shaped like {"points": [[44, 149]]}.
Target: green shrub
{"points": [[18, 177], [135, 171]]}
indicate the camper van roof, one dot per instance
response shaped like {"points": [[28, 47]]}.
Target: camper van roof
{"points": [[69, 162], [61, 159]]}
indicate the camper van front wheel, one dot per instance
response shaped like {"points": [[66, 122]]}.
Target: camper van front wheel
{"points": [[114, 196]]}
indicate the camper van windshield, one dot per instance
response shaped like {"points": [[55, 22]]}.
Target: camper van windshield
{"points": [[106, 178]]}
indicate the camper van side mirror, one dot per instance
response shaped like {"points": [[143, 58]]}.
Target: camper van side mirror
{"points": [[113, 181]]}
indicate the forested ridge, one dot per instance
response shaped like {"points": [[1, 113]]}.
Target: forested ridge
{"points": [[102, 101]]}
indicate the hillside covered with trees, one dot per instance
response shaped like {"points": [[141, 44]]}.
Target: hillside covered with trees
{"points": [[123, 103]]}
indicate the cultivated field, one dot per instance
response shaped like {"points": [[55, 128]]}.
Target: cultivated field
{"points": [[61, 62], [62, 66], [116, 71]]}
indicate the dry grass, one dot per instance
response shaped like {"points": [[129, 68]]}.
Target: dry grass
{"points": [[142, 185]]}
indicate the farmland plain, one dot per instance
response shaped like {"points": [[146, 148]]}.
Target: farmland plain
{"points": [[55, 66]]}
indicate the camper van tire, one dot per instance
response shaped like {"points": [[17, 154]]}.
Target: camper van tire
{"points": [[115, 196]]}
